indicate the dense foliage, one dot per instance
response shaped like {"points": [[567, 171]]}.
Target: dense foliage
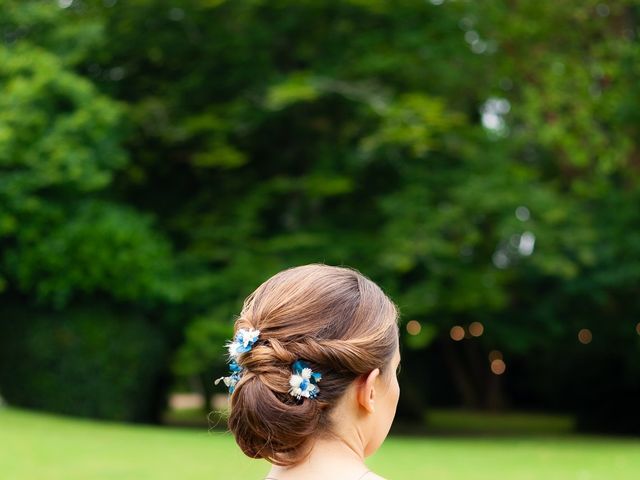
{"points": [[478, 159], [87, 361]]}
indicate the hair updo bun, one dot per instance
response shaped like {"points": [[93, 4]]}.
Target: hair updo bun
{"points": [[334, 318]]}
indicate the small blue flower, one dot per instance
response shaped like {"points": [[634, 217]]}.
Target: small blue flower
{"points": [[241, 343], [230, 381], [304, 381]]}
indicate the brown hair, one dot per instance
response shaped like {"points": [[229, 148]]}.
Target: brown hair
{"points": [[335, 319]]}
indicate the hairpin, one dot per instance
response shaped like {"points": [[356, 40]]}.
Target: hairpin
{"points": [[303, 381], [241, 343]]}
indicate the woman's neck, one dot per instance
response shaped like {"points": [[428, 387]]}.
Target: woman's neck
{"points": [[334, 457]]}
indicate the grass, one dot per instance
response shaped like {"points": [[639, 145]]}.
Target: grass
{"points": [[48, 447]]}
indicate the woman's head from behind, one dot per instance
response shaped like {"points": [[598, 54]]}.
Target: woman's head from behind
{"points": [[345, 328]]}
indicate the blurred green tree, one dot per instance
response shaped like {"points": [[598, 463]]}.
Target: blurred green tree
{"points": [[60, 145], [478, 143], [478, 159], [65, 238]]}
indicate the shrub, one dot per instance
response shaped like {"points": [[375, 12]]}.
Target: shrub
{"points": [[86, 361]]}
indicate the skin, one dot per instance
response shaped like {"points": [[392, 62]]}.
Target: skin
{"points": [[362, 421]]}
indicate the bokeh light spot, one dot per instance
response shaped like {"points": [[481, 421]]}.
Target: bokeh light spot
{"points": [[495, 355], [457, 333], [476, 329], [585, 336], [527, 243], [522, 213], [498, 366], [414, 327]]}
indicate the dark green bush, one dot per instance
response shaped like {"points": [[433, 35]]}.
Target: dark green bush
{"points": [[86, 361]]}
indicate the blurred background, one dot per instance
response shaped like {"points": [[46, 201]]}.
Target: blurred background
{"points": [[479, 160]]}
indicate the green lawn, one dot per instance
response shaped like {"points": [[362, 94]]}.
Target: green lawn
{"points": [[36, 446]]}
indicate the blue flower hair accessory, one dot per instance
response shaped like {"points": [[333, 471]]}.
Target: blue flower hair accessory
{"points": [[304, 381], [241, 343]]}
